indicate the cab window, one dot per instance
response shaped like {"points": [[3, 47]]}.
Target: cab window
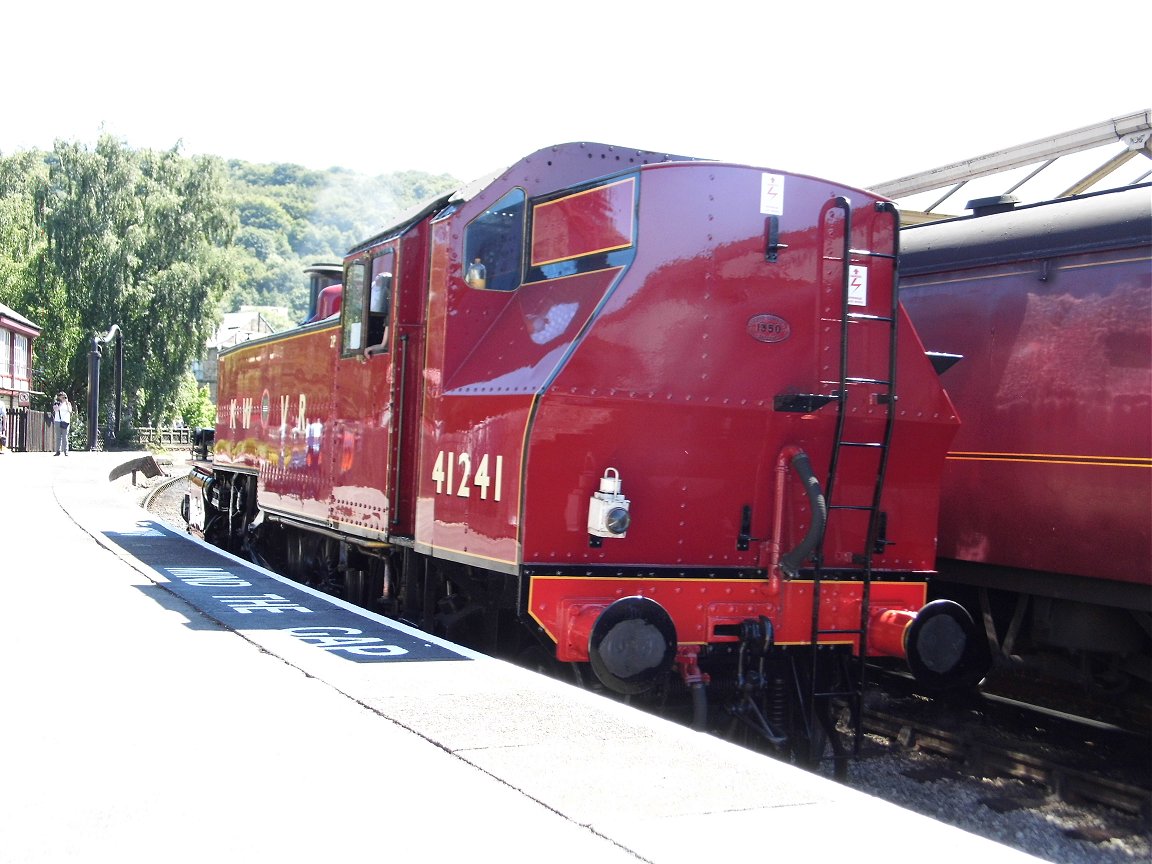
{"points": [[494, 245], [380, 302], [584, 230], [367, 305], [352, 309]]}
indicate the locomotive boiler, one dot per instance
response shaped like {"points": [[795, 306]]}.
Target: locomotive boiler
{"points": [[1046, 515], [653, 419]]}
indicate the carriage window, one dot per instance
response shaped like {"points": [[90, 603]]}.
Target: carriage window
{"points": [[494, 245], [352, 309]]}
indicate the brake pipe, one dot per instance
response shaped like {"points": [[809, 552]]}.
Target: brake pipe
{"points": [[789, 563]]}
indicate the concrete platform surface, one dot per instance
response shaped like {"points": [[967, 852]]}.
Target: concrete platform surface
{"points": [[142, 723]]}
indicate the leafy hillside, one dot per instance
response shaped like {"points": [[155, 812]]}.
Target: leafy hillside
{"points": [[292, 216]]}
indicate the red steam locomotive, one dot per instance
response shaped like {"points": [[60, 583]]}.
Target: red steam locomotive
{"points": [[1046, 515], [657, 418]]}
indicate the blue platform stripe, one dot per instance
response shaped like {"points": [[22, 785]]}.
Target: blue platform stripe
{"points": [[247, 598]]}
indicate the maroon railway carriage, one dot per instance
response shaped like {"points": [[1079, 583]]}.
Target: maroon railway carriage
{"points": [[664, 412], [1046, 516]]}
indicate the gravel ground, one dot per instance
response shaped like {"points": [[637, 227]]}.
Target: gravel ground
{"points": [[1048, 828]]}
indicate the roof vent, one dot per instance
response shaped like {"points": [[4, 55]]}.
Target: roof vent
{"points": [[995, 204]]}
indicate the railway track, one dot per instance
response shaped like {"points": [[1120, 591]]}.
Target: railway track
{"points": [[171, 488], [1059, 756]]}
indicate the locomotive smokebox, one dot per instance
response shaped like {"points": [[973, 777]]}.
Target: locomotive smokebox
{"points": [[632, 644], [939, 642]]}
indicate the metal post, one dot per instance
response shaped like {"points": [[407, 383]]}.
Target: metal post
{"points": [[94, 383], [119, 382], [93, 391]]}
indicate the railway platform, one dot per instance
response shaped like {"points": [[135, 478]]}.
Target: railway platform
{"points": [[163, 701]]}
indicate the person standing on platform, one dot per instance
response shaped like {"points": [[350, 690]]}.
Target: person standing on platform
{"points": [[61, 419]]}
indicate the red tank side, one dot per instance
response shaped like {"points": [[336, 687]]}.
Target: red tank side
{"points": [[274, 415]]}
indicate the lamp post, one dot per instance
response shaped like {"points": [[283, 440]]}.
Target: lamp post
{"points": [[94, 382]]}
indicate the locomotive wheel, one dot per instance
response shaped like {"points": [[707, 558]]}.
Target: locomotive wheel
{"points": [[811, 743], [294, 553], [809, 740], [212, 529], [812, 727]]}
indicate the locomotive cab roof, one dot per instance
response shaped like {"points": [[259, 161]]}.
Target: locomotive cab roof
{"points": [[574, 162]]}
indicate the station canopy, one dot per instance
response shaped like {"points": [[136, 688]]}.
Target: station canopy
{"points": [[1108, 155]]}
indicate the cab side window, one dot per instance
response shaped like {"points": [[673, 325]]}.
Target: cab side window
{"points": [[352, 309], [367, 305], [494, 245], [380, 302]]}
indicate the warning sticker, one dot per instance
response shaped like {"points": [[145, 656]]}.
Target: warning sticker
{"points": [[772, 194], [857, 285]]}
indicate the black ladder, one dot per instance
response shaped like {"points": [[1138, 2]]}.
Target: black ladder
{"points": [[859, 446]]}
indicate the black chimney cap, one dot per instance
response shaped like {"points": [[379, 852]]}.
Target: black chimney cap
{"points": [[995, 204]]}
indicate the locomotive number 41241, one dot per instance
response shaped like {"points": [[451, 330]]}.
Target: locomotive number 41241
{"points": [[454, 474]]}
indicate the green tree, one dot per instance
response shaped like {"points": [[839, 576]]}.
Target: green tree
{"points": [[139, 239], [194, 403], [21, 240], [23, 248]]}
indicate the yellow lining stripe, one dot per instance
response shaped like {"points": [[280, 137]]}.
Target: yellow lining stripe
{"points": [[913, 282], [279, 338], [1053, 459]]}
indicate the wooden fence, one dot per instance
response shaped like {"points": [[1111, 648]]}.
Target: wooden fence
{"points": [[29, 431], [164, 437]]}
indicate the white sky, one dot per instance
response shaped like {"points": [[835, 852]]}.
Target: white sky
{"points": [[859, 92]]}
